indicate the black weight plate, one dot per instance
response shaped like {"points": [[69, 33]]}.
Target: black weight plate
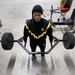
{"points": [[67, 4], [69, 40], [6, 41]]}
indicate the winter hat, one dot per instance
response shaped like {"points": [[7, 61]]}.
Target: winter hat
{"points": [[37, 8]]}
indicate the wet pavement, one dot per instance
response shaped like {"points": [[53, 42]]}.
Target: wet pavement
{"points": [[13, 14]]}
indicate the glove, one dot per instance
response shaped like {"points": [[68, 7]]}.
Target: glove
{"points": [[51, 44], [25, 44]]}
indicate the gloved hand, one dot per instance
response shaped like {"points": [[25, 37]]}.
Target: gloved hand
{"points": [[51, 44], [25, 44]]}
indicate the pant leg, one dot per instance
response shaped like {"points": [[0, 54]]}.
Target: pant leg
{"points": [[33, 48], [42, 48]]}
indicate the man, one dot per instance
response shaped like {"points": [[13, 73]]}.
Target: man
{"points": [[65, 6], [37, 29]]}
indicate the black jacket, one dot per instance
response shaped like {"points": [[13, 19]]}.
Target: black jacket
{"points": [[37, 31]]}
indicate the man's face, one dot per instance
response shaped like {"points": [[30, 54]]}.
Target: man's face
{"points": [[37, 16]]}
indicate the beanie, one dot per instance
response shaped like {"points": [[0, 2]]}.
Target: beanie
{"points": [[37, 8]]}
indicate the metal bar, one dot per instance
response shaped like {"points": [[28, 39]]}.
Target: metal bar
{"points": [[24, 48], [16, 41], [12, 41], [52, 47], [22, 45], [45, 52], [60, 40], [63, 23], [37, 52]]}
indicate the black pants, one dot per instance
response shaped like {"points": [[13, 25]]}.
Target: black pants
{"points": [[42, 48]]}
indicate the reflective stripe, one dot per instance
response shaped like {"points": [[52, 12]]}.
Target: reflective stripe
{"points": [[27, 27], [39, 36]]}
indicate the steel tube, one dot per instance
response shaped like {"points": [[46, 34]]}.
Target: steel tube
{"points": [[62, 23]]}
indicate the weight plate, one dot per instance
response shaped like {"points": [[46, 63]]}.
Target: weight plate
{"points": [[69, 40], [6, 41], [67, 4]]}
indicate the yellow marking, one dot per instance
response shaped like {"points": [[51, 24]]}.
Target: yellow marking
{"points": [[41, 35]]}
